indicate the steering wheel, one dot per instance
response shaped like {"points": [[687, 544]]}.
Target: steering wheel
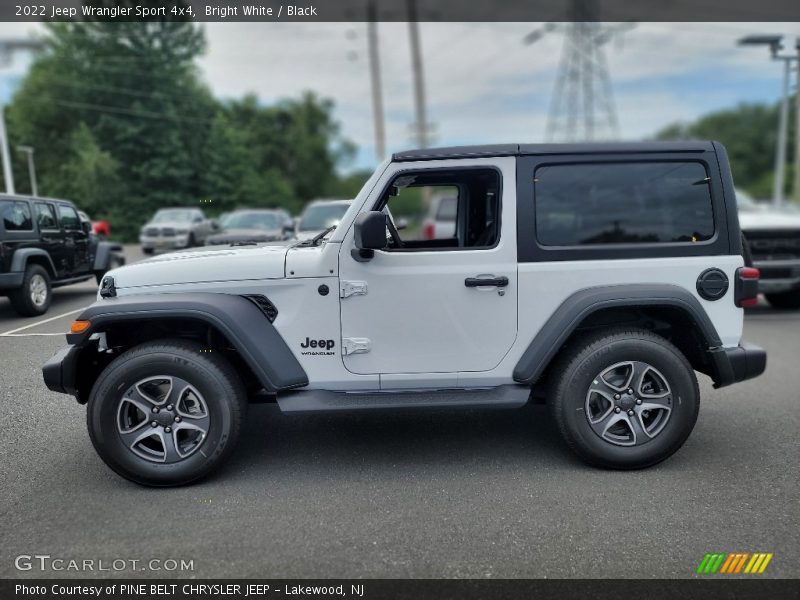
{"points": [[395, 235]]}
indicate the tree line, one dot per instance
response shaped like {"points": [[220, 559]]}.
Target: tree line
{"points": [[122, 124]]}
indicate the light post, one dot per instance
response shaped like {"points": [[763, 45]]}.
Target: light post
{"points": [[7, 49], [775, 43], [31, 168]]}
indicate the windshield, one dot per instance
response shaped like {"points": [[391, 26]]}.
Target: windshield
{"points": [[172, 215], [253, 220], [322, 216]]}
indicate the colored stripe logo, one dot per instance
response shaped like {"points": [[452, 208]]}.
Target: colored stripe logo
{"points": [[734, 563]]}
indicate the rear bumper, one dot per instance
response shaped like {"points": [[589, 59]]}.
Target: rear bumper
{"points": [[732, 365], [59, 371], [11, 281], [778, 275]]}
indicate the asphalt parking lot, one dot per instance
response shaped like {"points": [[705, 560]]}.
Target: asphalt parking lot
{"points": [[432, 494]]}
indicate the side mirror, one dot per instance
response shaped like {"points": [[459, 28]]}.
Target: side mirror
{"points": [[215, 225], [369, 234], [197, 220], [86, 226], [288, 226]]}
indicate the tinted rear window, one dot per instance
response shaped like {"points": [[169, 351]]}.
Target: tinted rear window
{"points": [[622, 203], [16, 215]]}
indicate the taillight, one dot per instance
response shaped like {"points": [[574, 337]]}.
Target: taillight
{"points": [[428, 231], [746, 287]]}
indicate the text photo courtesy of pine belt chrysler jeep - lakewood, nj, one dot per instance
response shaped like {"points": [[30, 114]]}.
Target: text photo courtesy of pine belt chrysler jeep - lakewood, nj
{"points": [[599, 277]]}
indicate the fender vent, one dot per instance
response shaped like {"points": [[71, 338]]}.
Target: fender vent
{"points": [[264, 305]]}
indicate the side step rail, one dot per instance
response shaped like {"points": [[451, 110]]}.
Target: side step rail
{"points": [[503, 396]]}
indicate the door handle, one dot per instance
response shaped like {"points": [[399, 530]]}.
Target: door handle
{"points": [[488, 281]]}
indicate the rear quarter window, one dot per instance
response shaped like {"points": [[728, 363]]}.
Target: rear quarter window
{"points": [[16, 215], [622, 203]]}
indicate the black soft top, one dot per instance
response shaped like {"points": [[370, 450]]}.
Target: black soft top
{"points": [[542, 149]]}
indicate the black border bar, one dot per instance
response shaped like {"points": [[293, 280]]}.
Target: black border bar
{"points": [[403, 10]]}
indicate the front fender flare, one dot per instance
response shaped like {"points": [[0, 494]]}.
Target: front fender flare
{"points": [[566, 318], [239, 319]]}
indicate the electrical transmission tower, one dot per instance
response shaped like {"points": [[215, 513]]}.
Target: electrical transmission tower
{"points": [[582, 106]]}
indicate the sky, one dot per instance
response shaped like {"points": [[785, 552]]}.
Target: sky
{"points": [[483, 84]]}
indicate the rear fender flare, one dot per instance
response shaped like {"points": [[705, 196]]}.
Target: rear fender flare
{"points": [[567, 317]]}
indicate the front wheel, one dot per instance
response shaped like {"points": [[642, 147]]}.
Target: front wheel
{"points": [[166, 413], [625, 399]]}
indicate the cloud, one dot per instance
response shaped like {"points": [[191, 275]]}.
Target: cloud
{"points": [[482, 83]]}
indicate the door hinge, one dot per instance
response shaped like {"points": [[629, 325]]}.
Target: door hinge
{"points": [[352, 288], [355, 346]]}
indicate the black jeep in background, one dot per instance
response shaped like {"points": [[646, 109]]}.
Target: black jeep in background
{"points": [[44, 244]]}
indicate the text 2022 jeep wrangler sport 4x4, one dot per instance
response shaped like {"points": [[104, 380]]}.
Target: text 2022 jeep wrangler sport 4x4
{"points": [[599, 276]]}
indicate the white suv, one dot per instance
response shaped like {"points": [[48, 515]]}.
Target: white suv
{"points": [[600, 277]]}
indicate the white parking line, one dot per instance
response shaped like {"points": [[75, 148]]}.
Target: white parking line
{"points": [[24, 327], [29, 334]]}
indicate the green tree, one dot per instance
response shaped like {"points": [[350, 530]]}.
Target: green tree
{"points": [[748, 132], [135, 88], [89, 173]]}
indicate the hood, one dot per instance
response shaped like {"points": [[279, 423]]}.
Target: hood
{"points": [[766, 218], [223, 263], [245, 235]]}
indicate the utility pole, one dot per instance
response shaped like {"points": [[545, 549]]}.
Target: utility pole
{"points": [[421, 125], [7, 48], [582, 105], [31, 168], [375, 80], [796, 184], [775, 43]]}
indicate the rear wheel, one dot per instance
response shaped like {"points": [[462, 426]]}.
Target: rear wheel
{"points": [[34, 296], [784, 299], [166, 413], [625, 399]]}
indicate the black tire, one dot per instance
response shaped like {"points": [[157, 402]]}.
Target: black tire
{"points": [[789, 300], [192, 241], [211, 375], [22, 300], [579, 369], [147, 251]]}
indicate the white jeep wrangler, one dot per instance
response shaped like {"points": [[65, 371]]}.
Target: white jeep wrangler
{"points": [[598, 277]]}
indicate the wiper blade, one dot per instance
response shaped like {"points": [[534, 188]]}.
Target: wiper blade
{"points": [[317, 238]]}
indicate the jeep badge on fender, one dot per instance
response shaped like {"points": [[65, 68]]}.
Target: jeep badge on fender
{"points": [[321, 344], [568, 272]]}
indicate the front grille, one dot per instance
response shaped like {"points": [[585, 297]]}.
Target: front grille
{"points": [[151, 231], [266, 307], [168, 232], [774, 245]]}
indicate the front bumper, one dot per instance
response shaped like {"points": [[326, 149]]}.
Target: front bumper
{"points": [[59, 372], [164, 243], [11, 281], [732, 365]]}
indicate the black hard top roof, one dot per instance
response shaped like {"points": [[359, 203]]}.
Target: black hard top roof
{"points": [[541, 149]]}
